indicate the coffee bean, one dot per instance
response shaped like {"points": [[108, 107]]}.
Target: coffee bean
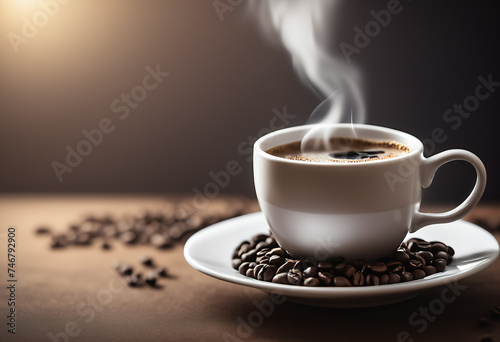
{"points": [[402, 257], [257, 270], [349, 271], [358, 279], [415, 264], [280, 278], [419, 257], [339, 268], [126, 270], [249, 256], [276, 260], [244, 266], [325, 266], [83, 239], [394, 266], [429, 270], [151, 279], [162, 271], [298, 265], [105, 245], [418, 274], [262, 259], [495, 312], [423, 245], [146, 260], [260, 245], [235, 254], [378, 267], [250, 273], [109, 230], [311, 282], [243, 249], [262, 252], [372, 279], [260, 237], [236, 263], [42, 230], [406, 276], [310, 272], [443, 255], [437, 247], [175, 232], [412, 246], [384, 279], [271, 241], [450, 251], [287, 266], [161, 241], [269, 272], [341, 281], [128, 237], [276, 251], [393, 278], [294, 276], [252, 264], [483, 322], [426, 255], [132, 281], [359, 264], [325, 278], [439, 264]]}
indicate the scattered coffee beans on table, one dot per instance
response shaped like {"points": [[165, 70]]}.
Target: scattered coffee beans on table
{"points": [[263, 259], [135, 279], [161, 230]]}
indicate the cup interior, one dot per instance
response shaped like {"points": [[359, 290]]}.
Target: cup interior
{"points": [[359, 131]]}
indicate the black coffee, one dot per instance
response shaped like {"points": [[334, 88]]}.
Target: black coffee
{"points": [[342, 150]]}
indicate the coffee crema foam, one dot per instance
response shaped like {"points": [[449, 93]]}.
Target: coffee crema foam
{"points": [[342, 150]]}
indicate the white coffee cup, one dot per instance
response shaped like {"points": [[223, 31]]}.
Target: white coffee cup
{"points": [[356, 210]]}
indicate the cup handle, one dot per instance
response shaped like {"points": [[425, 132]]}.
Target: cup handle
{"points": [[428, 168]]}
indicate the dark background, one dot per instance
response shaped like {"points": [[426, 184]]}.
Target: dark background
{"points": [[225, 81]]}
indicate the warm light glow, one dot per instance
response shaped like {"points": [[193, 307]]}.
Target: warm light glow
{"points": [[20, 5]]}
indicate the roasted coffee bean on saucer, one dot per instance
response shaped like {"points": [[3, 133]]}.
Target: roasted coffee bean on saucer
{"points": [[261, 259]]}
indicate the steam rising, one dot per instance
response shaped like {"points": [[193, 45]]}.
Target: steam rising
{"points": [[302, 26]]}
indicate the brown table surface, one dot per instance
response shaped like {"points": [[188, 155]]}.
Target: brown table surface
{"points": [[55, 290]]}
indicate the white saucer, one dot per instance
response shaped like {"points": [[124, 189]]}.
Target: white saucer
{"points": [[210, 251]]}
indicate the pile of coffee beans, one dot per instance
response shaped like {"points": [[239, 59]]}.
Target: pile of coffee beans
{"points": [[160, 229], [136, 279], [262, 259]]}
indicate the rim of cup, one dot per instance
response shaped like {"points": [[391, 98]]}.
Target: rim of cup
{"points": [[298, 132]]}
